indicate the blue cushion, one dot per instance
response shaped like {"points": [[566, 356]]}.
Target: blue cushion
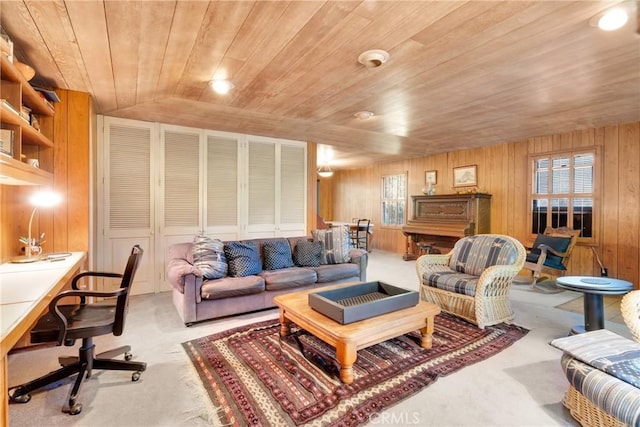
{"points": [[558, 244], [208, 256], [307, 254], [243, 258], [276, 254]]}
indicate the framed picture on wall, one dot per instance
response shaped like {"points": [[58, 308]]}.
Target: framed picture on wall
{"points": [[465, 176], [430, 177]]}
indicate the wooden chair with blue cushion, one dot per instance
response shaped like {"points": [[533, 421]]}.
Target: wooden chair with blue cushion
{"points": [[550, 254]]}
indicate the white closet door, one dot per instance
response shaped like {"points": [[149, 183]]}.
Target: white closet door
{"points": [[222, 186], [293, 190], [262, 176], [126, 217], [180, 207]]}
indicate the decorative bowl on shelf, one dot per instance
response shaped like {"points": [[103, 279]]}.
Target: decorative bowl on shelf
{"points": [[26, 71]]}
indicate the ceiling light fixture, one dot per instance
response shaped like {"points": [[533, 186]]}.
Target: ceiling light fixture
{"points": [[373, 58], [325, 171], [364, 115], [613, 18], [221, 86]]}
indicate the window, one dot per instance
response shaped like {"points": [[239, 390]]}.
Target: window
{"points": [[563, 193], [394, 199]]}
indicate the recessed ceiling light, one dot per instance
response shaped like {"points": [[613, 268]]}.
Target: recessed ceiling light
{"points": [[363, 115], [221, 86], [373, 58], [614, 18]]}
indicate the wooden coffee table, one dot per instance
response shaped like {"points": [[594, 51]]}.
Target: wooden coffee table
{"points": [[348, 339]]}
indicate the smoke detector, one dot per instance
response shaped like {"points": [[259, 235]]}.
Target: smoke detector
{"points": [[363, 115], [373, 58]]}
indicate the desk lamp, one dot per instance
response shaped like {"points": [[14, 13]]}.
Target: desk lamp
{"points": [[38, 199]]}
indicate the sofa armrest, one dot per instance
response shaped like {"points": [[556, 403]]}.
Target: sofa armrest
{"points": [[360, 257], [178, 270]]}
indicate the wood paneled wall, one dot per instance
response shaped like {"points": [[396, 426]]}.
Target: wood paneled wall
{"points": [[502, 172], [66, 226]]}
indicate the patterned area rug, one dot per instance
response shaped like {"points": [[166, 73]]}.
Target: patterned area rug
{"points": [[254, 377]]}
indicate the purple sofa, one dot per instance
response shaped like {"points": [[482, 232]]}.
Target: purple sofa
{"points": [[197, 299]]}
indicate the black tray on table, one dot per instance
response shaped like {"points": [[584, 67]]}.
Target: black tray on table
{"points": [[361, 301]]}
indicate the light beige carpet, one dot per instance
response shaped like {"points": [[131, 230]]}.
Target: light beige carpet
{"points": [[611, 307]]}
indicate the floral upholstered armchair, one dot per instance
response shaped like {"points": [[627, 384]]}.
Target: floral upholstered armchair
{"points": [[473, 280]]}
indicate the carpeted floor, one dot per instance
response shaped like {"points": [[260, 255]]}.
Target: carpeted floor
{"points": [[611, 307], [256, 378]]}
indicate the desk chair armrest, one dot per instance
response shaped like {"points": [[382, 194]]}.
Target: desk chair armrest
{"points": [[61, 320], [74, 283]]}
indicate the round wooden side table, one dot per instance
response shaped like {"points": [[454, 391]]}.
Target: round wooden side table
{"points": [[593, 289]]}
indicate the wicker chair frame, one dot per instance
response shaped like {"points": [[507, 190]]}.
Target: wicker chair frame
{"points": [[490, 305], [585, 412]]}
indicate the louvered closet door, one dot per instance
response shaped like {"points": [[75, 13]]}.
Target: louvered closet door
{"points": [[180, 207], [293, 190], [126, 216], [262, 176], [222, 186]]}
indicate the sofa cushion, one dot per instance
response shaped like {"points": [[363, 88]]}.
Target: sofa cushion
{"points": [[330, 273], [232, 287], [605, 350], [613, 396], [307, 254], [474, 254], [276, 254], [335, 242], [288, 278], [208, 256], [243, 258], [442, 277], [558, 244]]}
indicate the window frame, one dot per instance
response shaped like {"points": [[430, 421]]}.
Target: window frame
{"points": [[403, 198], [596, 195]]}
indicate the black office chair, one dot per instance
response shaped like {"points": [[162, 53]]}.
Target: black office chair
{"points": [[360, 236], [66, 323]]}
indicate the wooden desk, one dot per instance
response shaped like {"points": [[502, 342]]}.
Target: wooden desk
{"points": [[25, 292]]}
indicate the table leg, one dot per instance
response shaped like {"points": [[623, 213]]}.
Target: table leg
{"points": [[285, 325], [346, 354], [427, 334], [593, 312]]}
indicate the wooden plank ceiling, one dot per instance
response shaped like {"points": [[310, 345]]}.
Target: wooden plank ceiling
{"points": [[460, 75]]}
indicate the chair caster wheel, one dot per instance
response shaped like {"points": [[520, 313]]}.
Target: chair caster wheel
{"points": [[74, 409], [128, 356], [135, 376], [21, 398]]}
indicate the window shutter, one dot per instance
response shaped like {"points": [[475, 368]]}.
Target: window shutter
{"points": [[222, 181], [129, 177], [292, 182], [181, 180]]}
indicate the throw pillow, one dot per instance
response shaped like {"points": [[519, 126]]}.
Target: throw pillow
{"points": [[335, 243], [243, 258], [307, 254], [276, 254], [208, 256]]}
